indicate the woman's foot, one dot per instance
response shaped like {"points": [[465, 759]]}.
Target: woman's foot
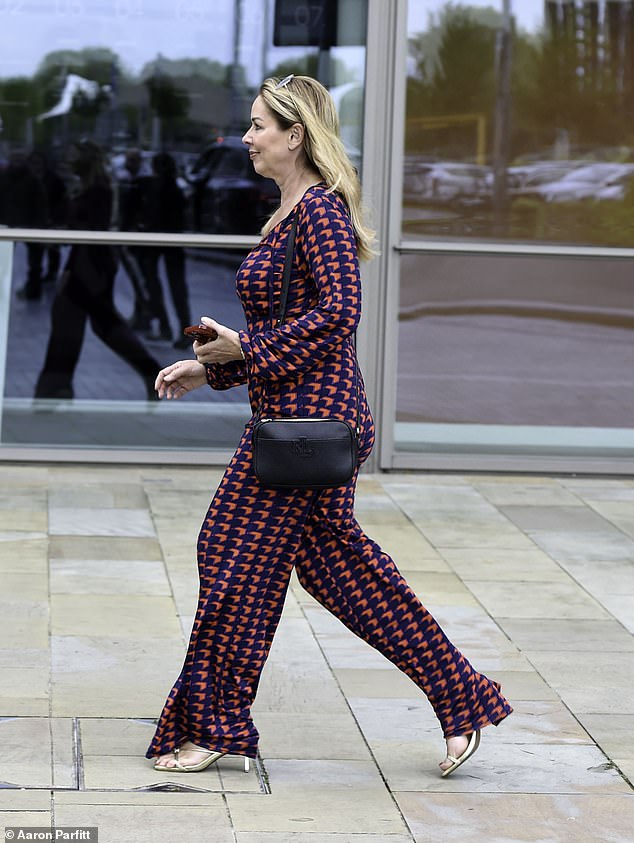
{"points": [[459, 749], [188, 755]]}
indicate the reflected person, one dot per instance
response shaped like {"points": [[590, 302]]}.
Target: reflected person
{"points": [[23, 205], [164, 210], [56, 209], [86, 289], [131, 185]]}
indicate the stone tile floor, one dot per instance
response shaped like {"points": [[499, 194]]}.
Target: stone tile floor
{"points": [[533, 577]]}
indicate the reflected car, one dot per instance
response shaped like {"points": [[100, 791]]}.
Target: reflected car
{"points": [[524, 178], [616, 189], [228, 196], [446, 183], [582, 183]]}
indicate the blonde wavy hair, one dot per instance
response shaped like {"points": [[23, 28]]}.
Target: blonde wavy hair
{"points": [[304, 100]]}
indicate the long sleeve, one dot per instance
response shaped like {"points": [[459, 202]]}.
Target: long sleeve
{"points": [[326, 251], [226, 375]]}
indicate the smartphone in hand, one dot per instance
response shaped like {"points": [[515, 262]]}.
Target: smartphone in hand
{"points": [[201, 333]]}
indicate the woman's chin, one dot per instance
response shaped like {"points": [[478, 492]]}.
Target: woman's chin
{"points": [[261, 171]]}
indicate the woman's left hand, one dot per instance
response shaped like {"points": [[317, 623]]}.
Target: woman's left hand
{"points": [[224, 349]]}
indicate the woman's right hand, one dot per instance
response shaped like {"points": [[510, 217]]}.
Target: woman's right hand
{"points": [[181, 377]]}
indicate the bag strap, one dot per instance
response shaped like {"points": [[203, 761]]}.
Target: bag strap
{"points": [[286, 276], [281, 312]]}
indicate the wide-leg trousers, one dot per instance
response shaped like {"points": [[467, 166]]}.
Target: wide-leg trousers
{"points": [[251, 539]]}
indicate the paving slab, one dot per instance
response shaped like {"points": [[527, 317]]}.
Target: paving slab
{"points": [[104, 547], [521, 818], [320, 796], [24, 800], [568, 545], [85, 521], [500, 768], [573, 634], [112, 677], [24, 682], [536, 600], [520, 493], [619, 513], [621, 607], [440, 589], [496, 565], [26, 752], [24, 555], [152, 824], [608, 679], [24, 623], [23, 707], [34, 658], [603, 577], [614, 733], [312, 736], [115, 736], [407, 547], [25, 585], [576, 519], [8, 819], [626, 768], [99, 496], [473, 534], [23, 520], [123, 616], [127, 772], [184, 796], [66, 750], [108, 576]]}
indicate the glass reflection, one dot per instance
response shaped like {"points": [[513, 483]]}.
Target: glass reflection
{"points": [[517, 121], [499, 340], [95, 290], [167, 78], [109, 406]]}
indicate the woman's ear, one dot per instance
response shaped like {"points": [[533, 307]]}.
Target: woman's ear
{"points": [[295, 136]]}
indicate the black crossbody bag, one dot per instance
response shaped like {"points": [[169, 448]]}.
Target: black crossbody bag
{"points": [[306, 452]]}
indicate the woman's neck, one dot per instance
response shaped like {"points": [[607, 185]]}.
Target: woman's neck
{"points": [[293, 188]]}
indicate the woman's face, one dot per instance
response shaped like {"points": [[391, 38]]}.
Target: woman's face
{"points": [[268, 143]]}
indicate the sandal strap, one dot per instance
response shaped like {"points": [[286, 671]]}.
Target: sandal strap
{"points": [[197, 749]]}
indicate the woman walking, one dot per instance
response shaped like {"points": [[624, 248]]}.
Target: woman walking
{"points": [[253, 536]]}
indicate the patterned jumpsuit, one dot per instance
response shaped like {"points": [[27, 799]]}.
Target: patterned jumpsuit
{"points": [[252, 537]]}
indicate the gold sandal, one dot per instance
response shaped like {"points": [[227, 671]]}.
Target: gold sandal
{"points": [[474, 743], [212, 757]]}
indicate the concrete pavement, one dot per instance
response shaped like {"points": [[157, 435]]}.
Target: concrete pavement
{"points": [[533, 577]]}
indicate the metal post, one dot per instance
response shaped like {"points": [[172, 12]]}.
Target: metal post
{"points": [[502, 118]]}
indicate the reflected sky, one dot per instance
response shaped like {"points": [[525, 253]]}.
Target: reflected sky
{"points": [[135, 29], [529, 14], [139, 30]]}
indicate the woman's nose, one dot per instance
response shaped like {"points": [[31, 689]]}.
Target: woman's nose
{"points": [[246, 137]]}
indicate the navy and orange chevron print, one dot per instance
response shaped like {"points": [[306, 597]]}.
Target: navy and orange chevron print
{"points": [[253, 537]]}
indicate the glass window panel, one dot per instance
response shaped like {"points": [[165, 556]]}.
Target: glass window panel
{"points": [[518, 125], [515, 353], [145, 79], [129, 115], [81, 360]]}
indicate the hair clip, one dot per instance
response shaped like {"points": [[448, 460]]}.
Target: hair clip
{"points": [[284, 81]]}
